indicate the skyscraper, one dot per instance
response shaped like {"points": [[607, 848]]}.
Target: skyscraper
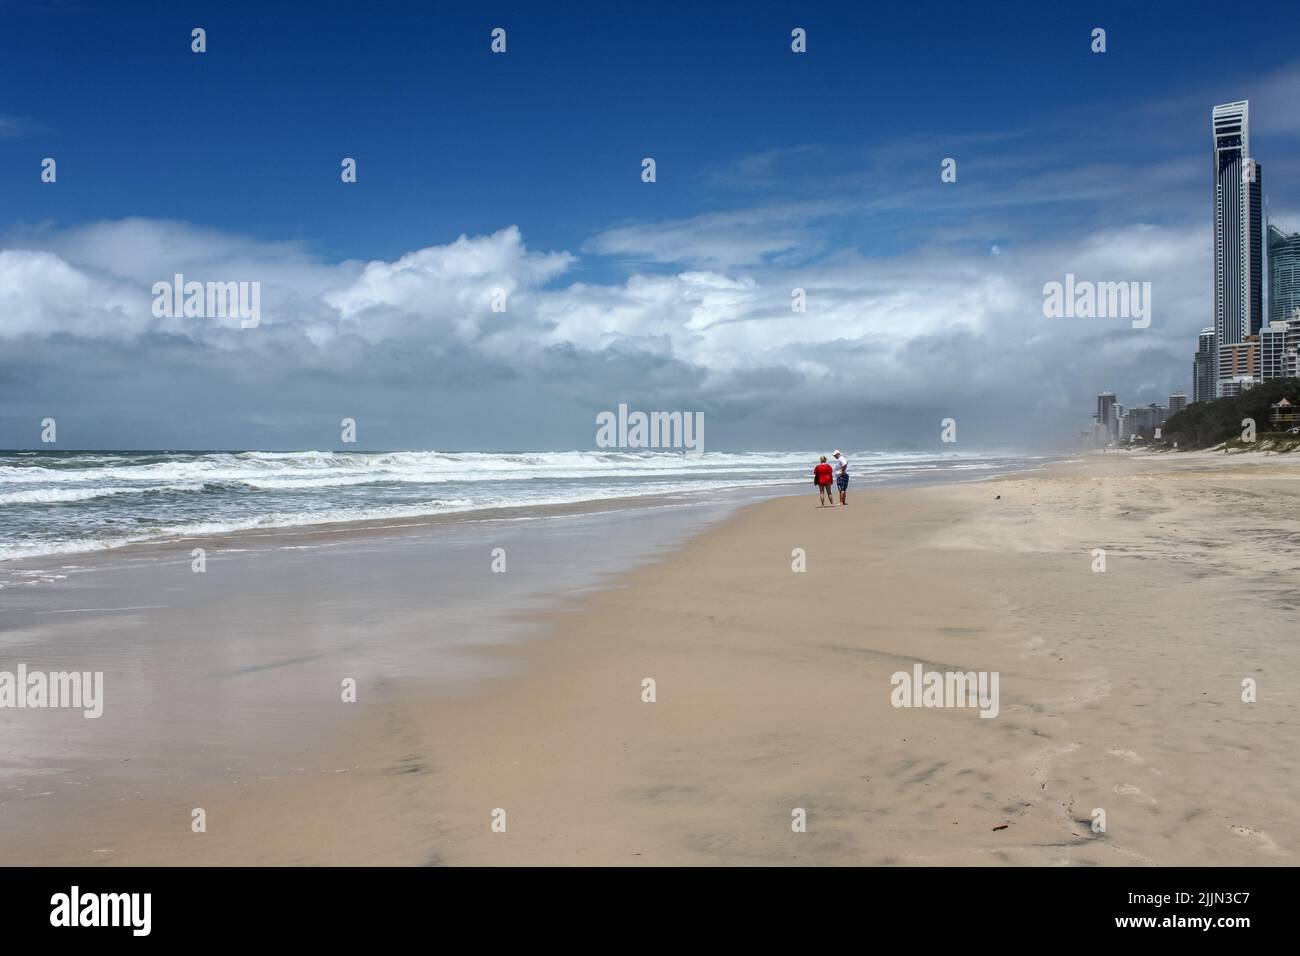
{"points": [[1283, 274], [1105, 413], [1279, 349], [1143, 420], [1239, 366], [1238, 234], [1177, 402], [1204, 371]]}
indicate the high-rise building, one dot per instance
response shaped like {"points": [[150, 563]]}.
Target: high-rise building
{"points": [[1238, 366], [1283, 274], [1279, 349], [1177, 402], [1105, 413], [1204, 374], [1238, 236], [1143, 420], [1239, 360]]}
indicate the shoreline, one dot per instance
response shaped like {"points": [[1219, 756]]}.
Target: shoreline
{"points": [[315, 531], [773, 695], [71, 515]]}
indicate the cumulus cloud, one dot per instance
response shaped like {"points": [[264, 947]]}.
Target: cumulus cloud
{"points": [[42, 294], [448, 291], [924, 301], [886, 345]]}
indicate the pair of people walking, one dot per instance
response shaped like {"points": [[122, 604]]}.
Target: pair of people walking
{"points": [[825, 473]]}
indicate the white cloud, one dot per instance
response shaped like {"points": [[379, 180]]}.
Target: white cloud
{"points": [[42, 294], [743, 237], [938, 327], [446, 289]]}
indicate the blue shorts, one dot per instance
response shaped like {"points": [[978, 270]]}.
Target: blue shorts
{"points": [[842, 481]]}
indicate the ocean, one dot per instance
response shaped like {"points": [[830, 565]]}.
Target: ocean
{"points": [[70, 502]]}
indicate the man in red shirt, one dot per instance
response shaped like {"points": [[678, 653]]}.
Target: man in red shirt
{"points": [[823, 475]]}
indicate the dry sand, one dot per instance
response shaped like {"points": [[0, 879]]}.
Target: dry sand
{"points": [[1119, 691]]}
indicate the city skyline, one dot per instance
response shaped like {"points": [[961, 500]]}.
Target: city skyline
{"points": [[1114, 422], [1255, 334]]}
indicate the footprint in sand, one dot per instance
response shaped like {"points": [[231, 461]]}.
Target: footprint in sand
{"points": [[1263, 839], [1128, 790], [1132, 756]]}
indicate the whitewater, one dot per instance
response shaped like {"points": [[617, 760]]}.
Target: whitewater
{"points": [[68, 502]]}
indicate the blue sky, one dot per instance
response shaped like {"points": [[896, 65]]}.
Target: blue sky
{"points": [[770, 165], [451, 139]]}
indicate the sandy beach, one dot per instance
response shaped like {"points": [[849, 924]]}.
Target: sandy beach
{"points": [[1119, 691]]}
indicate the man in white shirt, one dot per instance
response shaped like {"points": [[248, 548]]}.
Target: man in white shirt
{"points": [[841, 476]]}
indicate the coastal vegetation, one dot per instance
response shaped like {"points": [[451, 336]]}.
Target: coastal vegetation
{"points": [[1220, 421]]}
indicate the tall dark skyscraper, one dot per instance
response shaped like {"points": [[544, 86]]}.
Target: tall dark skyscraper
{"points": [[1106, 413], [1238, 234], [1204, 374]]}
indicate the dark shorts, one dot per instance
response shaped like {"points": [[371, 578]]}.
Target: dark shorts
{"points": [[842, 481]]}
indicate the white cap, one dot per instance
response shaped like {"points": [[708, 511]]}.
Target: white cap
{"points": [[835, 452]]}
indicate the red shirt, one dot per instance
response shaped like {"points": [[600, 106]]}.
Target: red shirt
{"points": [[823, 473]]}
